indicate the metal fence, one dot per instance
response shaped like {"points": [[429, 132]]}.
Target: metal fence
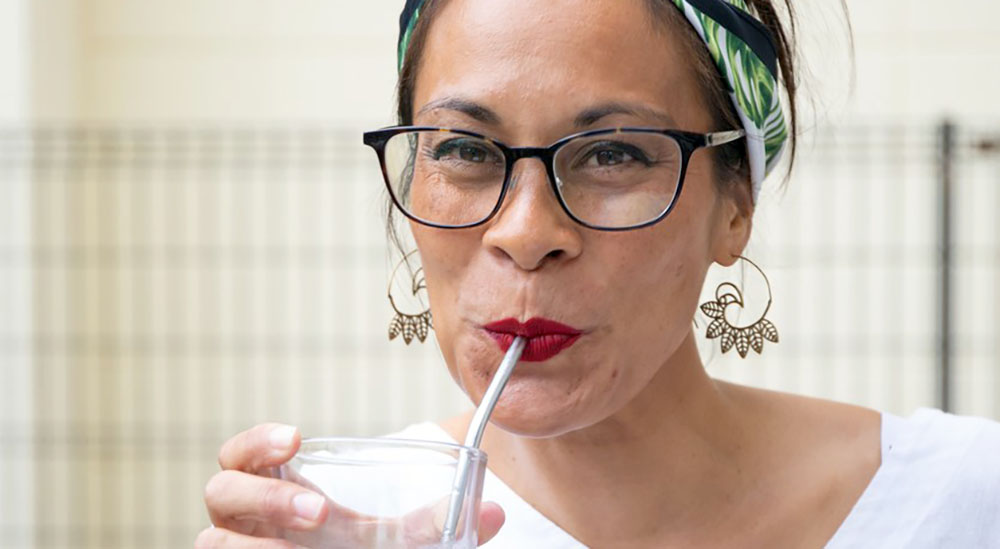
{"points": [[163, 288]]}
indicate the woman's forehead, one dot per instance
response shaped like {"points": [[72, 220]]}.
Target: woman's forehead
{"points": [[554, 54]]}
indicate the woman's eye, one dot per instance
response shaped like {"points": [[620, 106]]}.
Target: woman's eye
{"points": [[610, 157], [466, 152], [472, 154]]}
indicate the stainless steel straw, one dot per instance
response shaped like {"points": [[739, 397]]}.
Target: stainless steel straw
{"points": [[475, 435]]}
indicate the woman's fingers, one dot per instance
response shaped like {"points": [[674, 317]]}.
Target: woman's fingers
{"points": [[266, 445], [241, 502], [491, 518], [215, 538]]}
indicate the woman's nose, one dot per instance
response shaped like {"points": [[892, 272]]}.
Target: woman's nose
{"points": [[531, 227]]}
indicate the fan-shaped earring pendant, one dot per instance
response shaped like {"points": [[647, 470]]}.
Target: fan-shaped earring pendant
{"points": [[743, 338], [409, 326]]}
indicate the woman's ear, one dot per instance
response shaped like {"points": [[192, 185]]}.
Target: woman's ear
{"points": [[734, 223]]}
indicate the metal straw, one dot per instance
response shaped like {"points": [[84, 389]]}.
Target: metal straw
{"points": [[475, 435]]}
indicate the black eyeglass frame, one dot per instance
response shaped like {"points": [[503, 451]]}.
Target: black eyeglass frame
{"points": [[688, 142]]}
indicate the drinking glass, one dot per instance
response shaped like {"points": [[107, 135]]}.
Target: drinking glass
{"points": [[387, 493]]}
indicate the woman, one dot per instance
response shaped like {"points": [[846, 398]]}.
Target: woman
{"points": [[610, 433]]}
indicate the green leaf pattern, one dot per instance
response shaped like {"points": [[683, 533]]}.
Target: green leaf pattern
{"points": [[754, 90], [404, 44]]}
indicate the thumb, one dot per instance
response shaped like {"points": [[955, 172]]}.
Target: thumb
{"points": [[491, 518]]}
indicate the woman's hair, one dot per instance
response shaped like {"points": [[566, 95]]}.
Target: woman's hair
{"points": [[730, 161]]}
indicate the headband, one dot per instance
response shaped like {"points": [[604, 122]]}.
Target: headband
{"points": [[745, 54]]}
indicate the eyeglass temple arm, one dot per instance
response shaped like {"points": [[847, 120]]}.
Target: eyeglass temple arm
{"points": [[721, 138]]}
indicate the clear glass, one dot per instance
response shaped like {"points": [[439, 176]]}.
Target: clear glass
{"points": [[613, 179], [386, 493], [443, 177], [620, 179]]}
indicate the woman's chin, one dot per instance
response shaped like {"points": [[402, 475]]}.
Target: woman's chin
{"points": [[541, 399], [534, 426], [535, 414]]}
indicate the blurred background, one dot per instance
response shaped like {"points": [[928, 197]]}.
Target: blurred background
{"points": [[192, 241]]}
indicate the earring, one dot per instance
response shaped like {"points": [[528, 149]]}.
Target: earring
{"points": [[408, 325], [743, 338]]}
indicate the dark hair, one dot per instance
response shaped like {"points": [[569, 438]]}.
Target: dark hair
{"points": [[730, 161]]}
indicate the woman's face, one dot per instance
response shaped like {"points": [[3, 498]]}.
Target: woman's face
{"points": [[533, 66]]}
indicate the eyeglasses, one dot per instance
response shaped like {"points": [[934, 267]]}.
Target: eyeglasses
{"points": [[610, 179]]}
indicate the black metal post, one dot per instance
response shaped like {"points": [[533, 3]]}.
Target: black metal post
{"points": [[946, 150]]}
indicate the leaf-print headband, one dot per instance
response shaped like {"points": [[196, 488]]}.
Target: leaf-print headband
{"points": [[744, 52]]}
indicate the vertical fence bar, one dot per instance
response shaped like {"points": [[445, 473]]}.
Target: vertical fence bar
{"points": [[946, 155]]}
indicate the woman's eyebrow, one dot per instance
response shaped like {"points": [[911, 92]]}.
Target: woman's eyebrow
{"points": [[470, 108], [592, 114], [586, 117]]}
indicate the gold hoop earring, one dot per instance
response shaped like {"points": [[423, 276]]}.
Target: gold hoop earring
{"points": [[407, 325], [743, 338]]}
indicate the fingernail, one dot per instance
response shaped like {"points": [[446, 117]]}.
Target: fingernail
{"points": [[308, 505], [281, 437]]}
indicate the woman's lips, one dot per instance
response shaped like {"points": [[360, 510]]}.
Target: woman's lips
{"points": [[546, 338]]}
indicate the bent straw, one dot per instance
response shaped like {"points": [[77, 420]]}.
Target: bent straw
{"points": [[475, 434]]}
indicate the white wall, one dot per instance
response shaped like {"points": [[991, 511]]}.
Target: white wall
{"points": [[16, 387], [235, 60], [317, 59], [14, 61], [920, 58], [914, 58]]}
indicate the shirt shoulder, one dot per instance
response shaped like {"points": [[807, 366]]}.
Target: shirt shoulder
{"points": [[971, 493], [938, 485]]}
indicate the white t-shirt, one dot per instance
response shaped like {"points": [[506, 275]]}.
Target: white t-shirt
{"points": [[938, 487]]}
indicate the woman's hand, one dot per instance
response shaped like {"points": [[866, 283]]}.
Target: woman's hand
{"points": [[251, 508], [244, 500]]}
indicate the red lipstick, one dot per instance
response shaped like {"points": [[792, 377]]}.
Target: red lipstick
{"points": [[546, 338]]}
